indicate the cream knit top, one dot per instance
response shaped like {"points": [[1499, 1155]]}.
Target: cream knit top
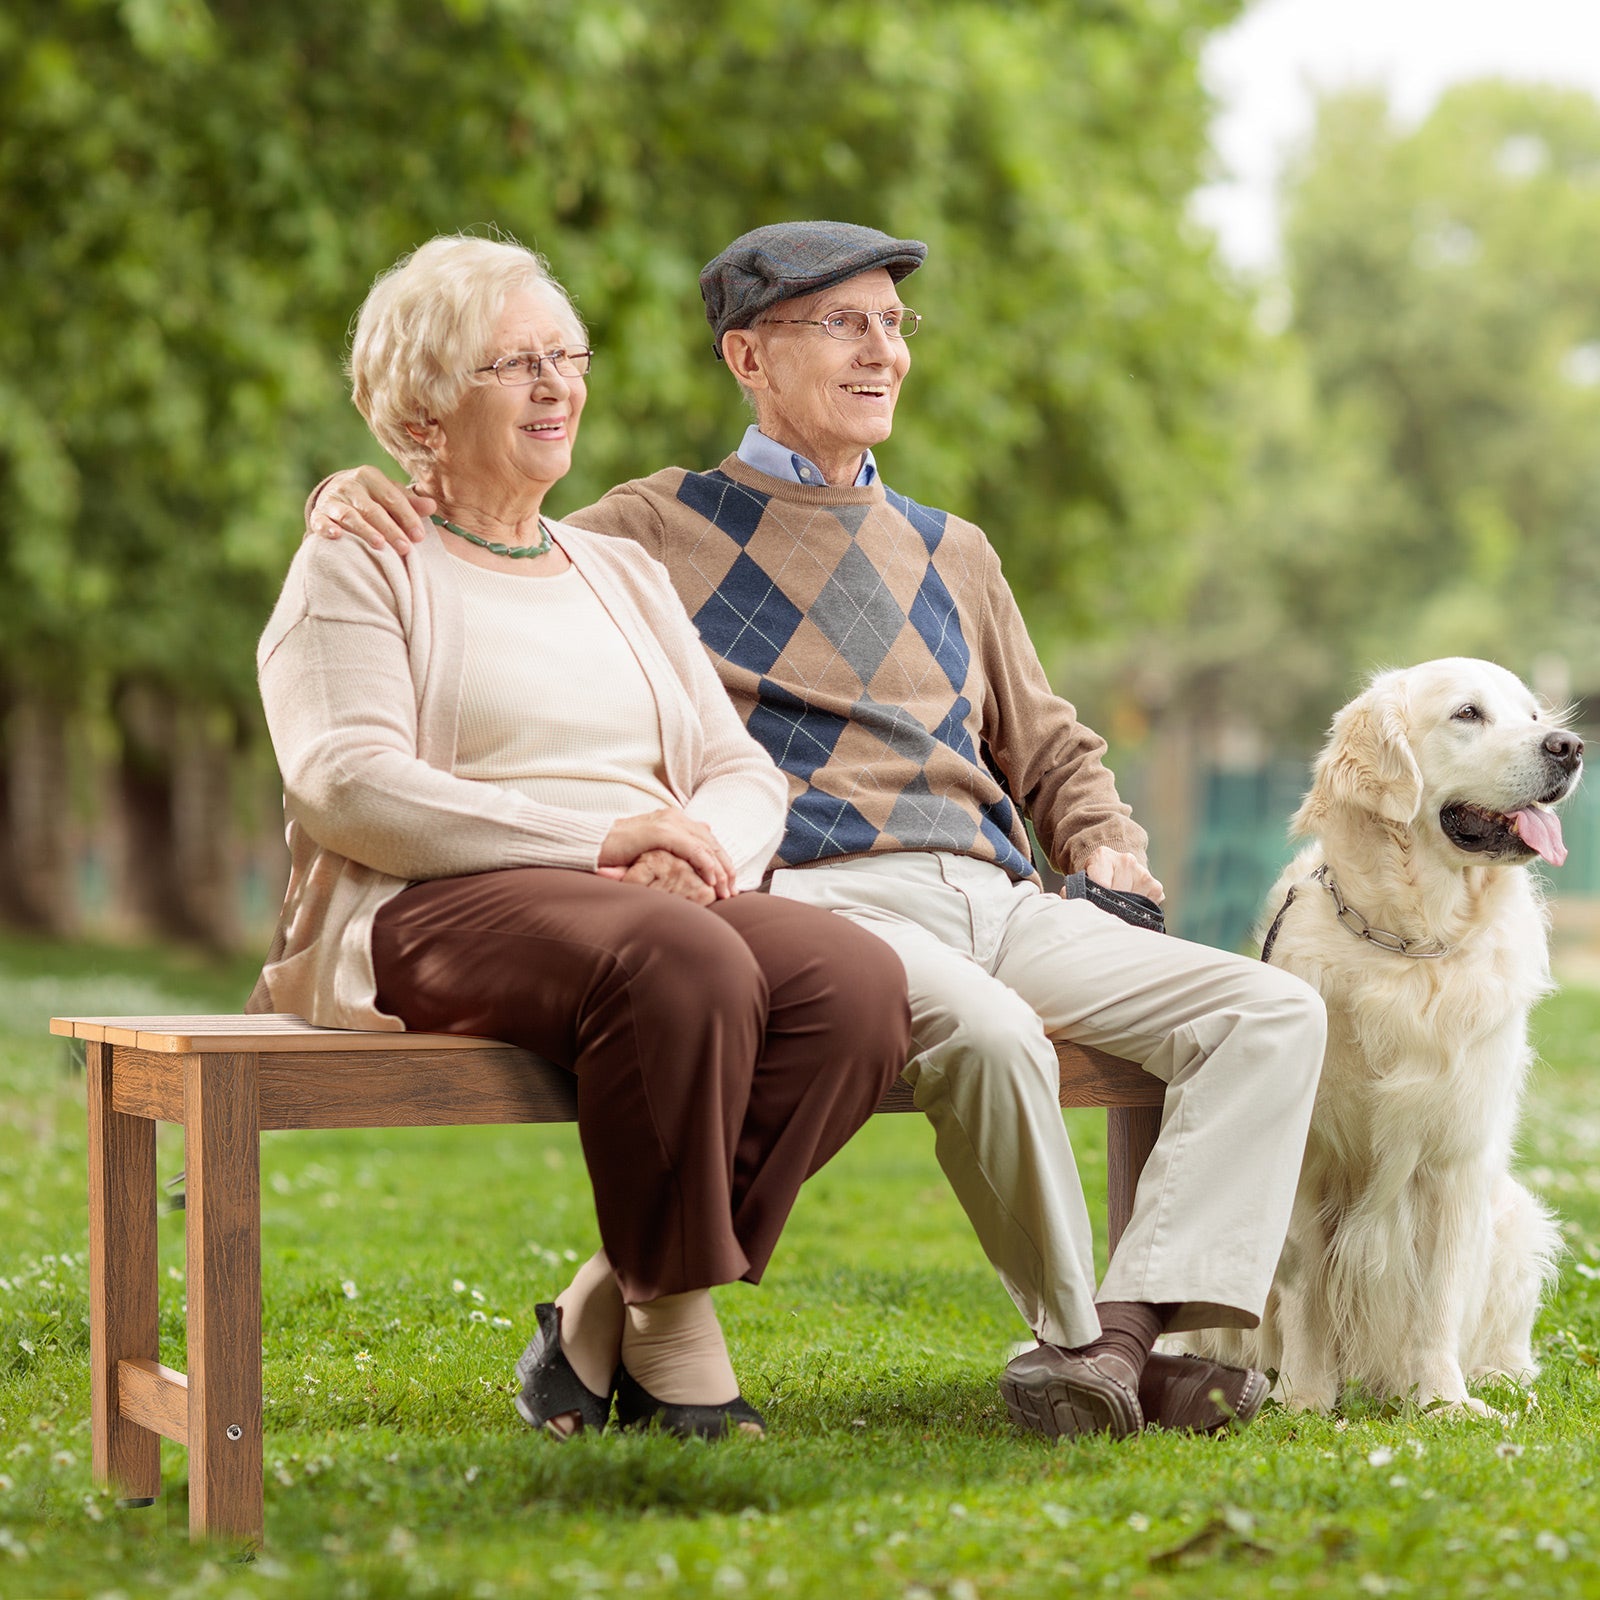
{"points": [[554, 702], [361, 678]]}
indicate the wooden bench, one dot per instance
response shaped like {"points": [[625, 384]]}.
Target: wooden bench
{"points": [[224, 1080]]}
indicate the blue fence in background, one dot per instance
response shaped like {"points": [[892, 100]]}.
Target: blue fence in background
{"points": [[1239, 844]]}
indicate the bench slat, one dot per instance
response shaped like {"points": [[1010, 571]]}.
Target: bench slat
{"points": [[414, 1085], [271, 1031]]}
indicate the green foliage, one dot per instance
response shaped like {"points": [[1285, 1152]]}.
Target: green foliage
{"points": [[1423, 479], [1444, 286], [195, 196]]}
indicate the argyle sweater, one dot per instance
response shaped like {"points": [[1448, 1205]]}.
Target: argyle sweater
{"points": [[873, 646]]}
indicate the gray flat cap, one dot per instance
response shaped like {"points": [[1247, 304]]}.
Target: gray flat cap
{"points": [[786, 259]]}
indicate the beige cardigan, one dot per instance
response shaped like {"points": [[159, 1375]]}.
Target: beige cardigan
{"points": [[360, 672]]}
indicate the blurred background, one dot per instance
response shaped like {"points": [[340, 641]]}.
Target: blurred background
{"points": [[1263, 340]]}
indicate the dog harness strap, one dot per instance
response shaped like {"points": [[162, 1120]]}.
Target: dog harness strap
{"points": [[1277, 922]]}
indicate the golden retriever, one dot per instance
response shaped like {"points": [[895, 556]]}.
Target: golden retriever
{"points": [[1414, 1260]]}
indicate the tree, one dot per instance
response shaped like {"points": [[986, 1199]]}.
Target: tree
{"points": [[1423, 476], [197, 194]]}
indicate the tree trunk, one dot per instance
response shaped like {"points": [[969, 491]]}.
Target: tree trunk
{"points": [[38, 837], [175, 819]]}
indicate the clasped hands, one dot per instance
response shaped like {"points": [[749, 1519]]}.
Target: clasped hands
{"points": [[670, 851]]}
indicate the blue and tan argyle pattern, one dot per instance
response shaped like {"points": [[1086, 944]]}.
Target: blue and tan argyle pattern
{"points": [[842, 628]]}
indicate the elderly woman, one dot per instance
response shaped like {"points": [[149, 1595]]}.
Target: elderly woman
{"points": [[521, 806]]}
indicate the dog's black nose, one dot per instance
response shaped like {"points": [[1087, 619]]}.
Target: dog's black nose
{"points": [[1566, 748]]}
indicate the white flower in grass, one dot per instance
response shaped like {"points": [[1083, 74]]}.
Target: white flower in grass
{"points": [[1552, 1544], [778, 1578], [471, 1474], [1381, 1457], [477, 1316], [957, 1510], [6, 1485], [501, 1322], [1398, 1481], [63, 1458], [1507, 1451], [962, 1589], [477, 1294], [457, 1286], [401, 1542], [350, 1290], [1374, 1583], [1139, 1522], [728, 1580], [362, 1357]]}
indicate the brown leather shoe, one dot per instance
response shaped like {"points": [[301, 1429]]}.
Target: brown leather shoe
{"points": [[1053, 1392], [1192, 1395]]}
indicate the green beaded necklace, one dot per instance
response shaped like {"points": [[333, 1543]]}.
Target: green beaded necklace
{"points": [[493, 546]]}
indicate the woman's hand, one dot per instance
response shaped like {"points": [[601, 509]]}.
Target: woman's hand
{"points": [[364, 502], [670, 830], [660, 869], [1116, 869]]}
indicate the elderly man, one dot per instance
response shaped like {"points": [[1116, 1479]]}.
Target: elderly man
{"points": [[873, 646]]}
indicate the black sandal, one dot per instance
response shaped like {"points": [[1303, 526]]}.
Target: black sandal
{"points": [[638, 1408], [550, 1388]]}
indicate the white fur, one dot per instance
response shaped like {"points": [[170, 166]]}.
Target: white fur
{"points": [[1414, 1260]]}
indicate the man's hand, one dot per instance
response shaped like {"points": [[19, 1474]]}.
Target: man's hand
{"points": [[364, 502], [669, 830], [660, 869], [1116, 869]]}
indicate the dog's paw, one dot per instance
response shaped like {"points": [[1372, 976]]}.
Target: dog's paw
{"points": [[1466, 1406]]}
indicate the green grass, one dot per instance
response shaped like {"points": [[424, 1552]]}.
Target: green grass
{"points": [[400, 1272]]}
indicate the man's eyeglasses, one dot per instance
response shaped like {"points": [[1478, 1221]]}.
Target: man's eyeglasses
{"points": [[900, 324], [522, 369]]}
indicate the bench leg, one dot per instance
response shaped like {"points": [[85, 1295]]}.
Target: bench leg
{"points": [[222, 1133], [1130, 1137], [123, 1308]]}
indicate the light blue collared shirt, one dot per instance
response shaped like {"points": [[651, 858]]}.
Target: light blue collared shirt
{"points": [[779, 461]]}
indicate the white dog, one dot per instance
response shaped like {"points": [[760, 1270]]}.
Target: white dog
{"points": [[1414, 1259]]}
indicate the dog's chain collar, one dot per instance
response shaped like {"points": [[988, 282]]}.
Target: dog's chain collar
{"points": [[1362, 929]]}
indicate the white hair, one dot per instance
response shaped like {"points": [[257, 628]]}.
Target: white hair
{"points": [[426, 324]]}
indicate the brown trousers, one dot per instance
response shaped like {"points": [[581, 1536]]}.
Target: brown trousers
{"points": [[722, 1053]]}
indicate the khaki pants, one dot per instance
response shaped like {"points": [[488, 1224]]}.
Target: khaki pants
{"points": [[996, 969]]}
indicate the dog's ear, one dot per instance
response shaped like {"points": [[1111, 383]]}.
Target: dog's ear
{"points": [[1367, 764]]}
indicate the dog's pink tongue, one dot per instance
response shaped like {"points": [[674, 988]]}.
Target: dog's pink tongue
{"points": [[1540, 830]]}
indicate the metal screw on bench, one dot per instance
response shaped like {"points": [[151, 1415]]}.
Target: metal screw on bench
{"points": [[235, 1432]]}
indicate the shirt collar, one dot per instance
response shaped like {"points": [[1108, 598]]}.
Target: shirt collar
{"points": [[779, 461]]}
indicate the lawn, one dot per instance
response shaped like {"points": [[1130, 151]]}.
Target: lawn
{"points": [[400, 1272]]}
